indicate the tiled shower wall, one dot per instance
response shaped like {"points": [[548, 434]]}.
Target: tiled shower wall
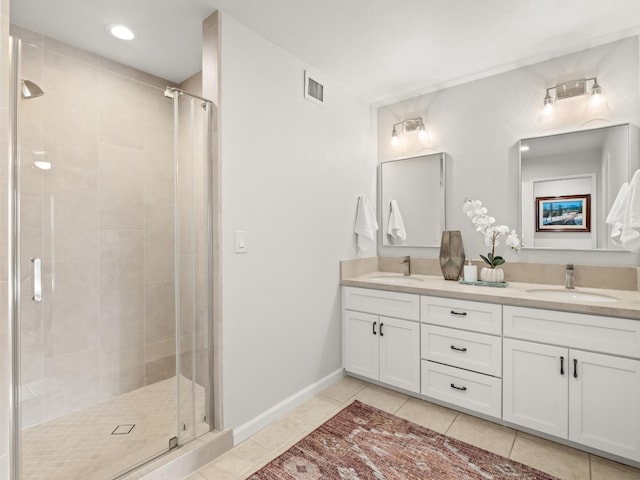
{"points": [[106, 324]]}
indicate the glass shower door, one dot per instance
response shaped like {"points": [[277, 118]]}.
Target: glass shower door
{"points": [[192, 143], [97, 324]]}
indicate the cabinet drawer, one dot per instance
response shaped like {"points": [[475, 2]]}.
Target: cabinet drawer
{"points": [[477, 392], [380, 302], [463, 314], [618, 336], [469, 350]]}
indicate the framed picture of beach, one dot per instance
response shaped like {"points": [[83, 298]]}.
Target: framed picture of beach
{"points": [[570, 213]]}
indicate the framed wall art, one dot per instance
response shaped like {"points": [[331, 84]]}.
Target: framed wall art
{"points": [[570, 213]]}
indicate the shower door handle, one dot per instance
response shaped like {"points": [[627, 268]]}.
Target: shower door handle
{"points": [[37, 279]]}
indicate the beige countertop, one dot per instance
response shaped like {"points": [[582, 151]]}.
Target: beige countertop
{"points": [[627, 306]]}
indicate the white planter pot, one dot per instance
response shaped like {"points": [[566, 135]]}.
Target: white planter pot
{"points": [[492, 274]]}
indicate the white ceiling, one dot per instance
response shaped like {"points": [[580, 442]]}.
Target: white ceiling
{"points": [[383, 49]]}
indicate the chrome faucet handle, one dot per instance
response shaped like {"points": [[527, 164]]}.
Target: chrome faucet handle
{"points": [[407, 260], [569, 280]]}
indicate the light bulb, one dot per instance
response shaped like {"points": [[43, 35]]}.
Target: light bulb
{"points": [[394, 137], [548, 105], [524, 148], [422, 132], [596, 94]]}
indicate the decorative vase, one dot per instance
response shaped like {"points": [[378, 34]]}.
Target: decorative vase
{"points": [[451, 254], [488, 274]]}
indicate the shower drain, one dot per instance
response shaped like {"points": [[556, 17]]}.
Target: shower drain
{"points": [[123, 429]]}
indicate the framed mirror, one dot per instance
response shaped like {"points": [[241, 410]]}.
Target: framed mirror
{"points": [[412, 201], [569, 182]]}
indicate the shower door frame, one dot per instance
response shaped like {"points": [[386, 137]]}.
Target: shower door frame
{"points": [[15, 51]]}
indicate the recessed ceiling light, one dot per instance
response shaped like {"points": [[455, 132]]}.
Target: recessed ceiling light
{"points": [[121, 32], [42, 165]]}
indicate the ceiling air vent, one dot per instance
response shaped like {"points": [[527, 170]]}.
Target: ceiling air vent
{"points": [[313, 88]]}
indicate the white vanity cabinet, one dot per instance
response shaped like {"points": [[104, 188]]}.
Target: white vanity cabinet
{"points": [[461, 353], [574, 376], [382, 336]]}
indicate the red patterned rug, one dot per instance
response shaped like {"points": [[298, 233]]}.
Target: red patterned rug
{"points": [[364, 443]]}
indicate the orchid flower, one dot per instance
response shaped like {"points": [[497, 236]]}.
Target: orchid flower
{"points": [[485, 225]]}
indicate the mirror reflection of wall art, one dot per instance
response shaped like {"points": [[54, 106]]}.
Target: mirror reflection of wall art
{"points": [[568, 213], [594, 162]]}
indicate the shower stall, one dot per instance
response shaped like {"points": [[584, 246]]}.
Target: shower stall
{"points": [[111, 265]]}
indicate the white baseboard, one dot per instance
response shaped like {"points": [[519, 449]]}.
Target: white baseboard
{"points": [[256, 424]]}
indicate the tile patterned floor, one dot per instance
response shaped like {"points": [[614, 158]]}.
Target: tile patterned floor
{"points": [[563, 462], [80, 445]]}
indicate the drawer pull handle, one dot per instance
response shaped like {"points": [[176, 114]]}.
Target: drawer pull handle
{"points": [[575, 368], [381, 325], [462, 389], [458, 349], [374, 328], [561, 365], [460, 314]]}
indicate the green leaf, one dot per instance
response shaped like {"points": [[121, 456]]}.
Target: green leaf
{"points": [[486, 260], [498, 261]]}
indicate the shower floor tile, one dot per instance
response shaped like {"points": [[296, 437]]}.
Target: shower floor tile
{"points": [[81, 445]]}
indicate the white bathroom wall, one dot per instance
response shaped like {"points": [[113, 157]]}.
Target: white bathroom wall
{"points": [[291, 173], [479, 124]]}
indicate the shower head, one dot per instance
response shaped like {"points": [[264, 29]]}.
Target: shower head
{"points": [[30, 89]]}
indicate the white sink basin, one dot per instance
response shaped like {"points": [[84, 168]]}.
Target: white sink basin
{"points": [[571, 295], [396, 279]]}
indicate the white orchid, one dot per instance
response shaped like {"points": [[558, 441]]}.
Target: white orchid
{"points": [[485, 225]]}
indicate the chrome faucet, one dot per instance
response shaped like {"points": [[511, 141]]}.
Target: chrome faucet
{"points": [[569, 277], [407, 260]]}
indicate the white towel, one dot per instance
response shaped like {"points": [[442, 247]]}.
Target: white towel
{"points": [[366, 224], [395, 229], [616, 214], [630, 235]]}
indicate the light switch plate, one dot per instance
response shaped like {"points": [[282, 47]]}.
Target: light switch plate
{"points": [[241, 241]]}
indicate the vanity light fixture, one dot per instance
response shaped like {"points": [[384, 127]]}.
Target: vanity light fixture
{"points": [[573, 88], [406, 126]]}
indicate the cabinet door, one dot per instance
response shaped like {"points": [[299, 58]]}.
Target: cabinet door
{"points": [[361, 343], [604, 403], [535, 386], [400, 353]]}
